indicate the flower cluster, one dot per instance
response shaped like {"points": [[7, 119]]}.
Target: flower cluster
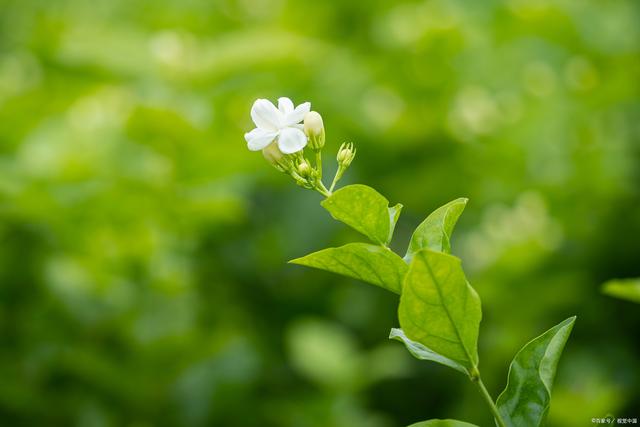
{"points": [[283, 133]]}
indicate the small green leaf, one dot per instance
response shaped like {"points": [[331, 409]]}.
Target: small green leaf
{"points": [[526, 399], [628, 289], [435, 232], [442, 423], [421, 352], [370, 263], [394, 214], [365, 210], [439, 308]]}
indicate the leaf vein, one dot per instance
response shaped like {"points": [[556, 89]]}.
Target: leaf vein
{"points": [[446, 309]]}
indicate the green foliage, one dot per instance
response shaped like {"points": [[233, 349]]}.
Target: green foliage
{"points": [[373, 264], [439, 308], [435, 231], [628, 289], [365, 210], [439, 311], [527, 397], [421, 352], [442, 423]]}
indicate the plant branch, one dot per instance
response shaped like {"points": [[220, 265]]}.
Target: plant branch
{"points": [[322, 189], [319, 164], [489, 401], [336, 178]]}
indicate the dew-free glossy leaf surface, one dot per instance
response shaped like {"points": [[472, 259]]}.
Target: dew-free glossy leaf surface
{"points": [[628, 289], [442, 423], [421, 352], [435, 231], [365, 210], [526, 399], [370, 263], [439, 309]]}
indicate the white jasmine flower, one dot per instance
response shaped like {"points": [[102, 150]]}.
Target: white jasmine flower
{"points": [[282, 123]]}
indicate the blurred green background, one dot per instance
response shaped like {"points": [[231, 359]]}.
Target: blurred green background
{"points": [[143, 248]]}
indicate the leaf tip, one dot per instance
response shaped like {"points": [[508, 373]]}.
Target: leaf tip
{"points": [[394, 333]]}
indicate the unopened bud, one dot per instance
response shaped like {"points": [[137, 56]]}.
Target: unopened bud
{"points": [[314, 129], [345, 156], [276, 157], [304, 170]]}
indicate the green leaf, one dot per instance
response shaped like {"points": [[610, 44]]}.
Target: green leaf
{"points": [[421, 352], [370, 263], [365, 210], [442, 423], [435, 231], [439, 308], [526, 399], [628, 289]]}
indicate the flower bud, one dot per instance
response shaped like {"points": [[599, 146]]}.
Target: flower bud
{"points": [[304, 170], [314, 128], [276, 157], [345, 156]]}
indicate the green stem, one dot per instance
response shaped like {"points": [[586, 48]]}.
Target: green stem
{"points": [[322, 189], [336, 178], [489, 400], [319, 164]]}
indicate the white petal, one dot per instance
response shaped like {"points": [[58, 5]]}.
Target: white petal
{"points": [[285, 105], [297, 115], [291, 140], [258, 138], [266, 116]]}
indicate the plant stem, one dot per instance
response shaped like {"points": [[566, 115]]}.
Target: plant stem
{"points": [[336, 178], [319, 164], [322, 189], [489, 400]]}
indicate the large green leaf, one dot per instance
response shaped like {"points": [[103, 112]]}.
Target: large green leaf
{"points": [[526, 399], [365, 210], [421, 352], [628, 289], [435, 231], [439, 308], [370, 263], [442, 423]]}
